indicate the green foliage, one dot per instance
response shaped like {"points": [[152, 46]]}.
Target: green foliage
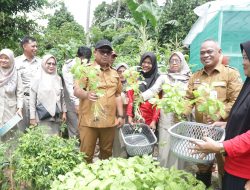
{"points": [[173, 100], [124, 41], [3, 149], [134, 79], [60, 17], [15, 26], [105, 11], [39, 159], [207, 102], [14, 6], [62, 37], [83, 73], [135, 173], [182, 12]]}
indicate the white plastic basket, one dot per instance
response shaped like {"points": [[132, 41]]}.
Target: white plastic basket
{"points": [[138, 141], [10, 124], [184, 132]]}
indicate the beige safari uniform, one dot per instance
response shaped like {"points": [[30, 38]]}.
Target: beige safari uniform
{"points": [[28, 71], [227, 83], [103, 127], [225, 80]]}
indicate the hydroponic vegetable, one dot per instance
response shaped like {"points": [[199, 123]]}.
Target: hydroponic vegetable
{"points": [[84, 72], [135, 173], [206, 99], [173, 100]]}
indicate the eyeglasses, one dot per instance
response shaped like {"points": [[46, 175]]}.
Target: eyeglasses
{"points": [[175, 60], [104, 51], [51, 63], [245, 58], [120, 71], [209, 52]]}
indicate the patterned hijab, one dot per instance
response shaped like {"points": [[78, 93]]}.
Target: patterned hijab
{"points": [[47, 86], [7, 74], [151, 76]]}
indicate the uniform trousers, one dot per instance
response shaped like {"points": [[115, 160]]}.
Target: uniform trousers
{"points": [[25, 122], [88, 138]]}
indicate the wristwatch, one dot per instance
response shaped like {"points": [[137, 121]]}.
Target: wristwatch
{"points": [[120, 116], [222, 150]]}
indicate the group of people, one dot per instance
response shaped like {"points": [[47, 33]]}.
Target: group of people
{"points": [[32, 88]]}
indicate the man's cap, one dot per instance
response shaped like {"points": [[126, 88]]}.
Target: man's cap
{"points": [[103, 43]]}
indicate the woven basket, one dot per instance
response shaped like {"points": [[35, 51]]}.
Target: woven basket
{"points": [[182, 135], [138, 141]]}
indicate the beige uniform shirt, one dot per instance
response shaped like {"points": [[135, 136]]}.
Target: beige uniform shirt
{"points": [[111, 86], [28, 70], [226, 82], [69, 80], [11, 98]]}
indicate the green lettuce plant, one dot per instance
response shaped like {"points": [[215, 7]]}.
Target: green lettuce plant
{"points": [[135, 173]]}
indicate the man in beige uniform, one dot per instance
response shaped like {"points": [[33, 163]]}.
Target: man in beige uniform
{"points": [[227, 84], [103, 127], [28, 66]]}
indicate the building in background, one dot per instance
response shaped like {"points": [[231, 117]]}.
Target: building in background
{"points": [[228, 22]]}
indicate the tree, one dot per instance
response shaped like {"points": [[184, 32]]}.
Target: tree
{"points": [[11, 7], [62, 37], [14, 26], [104, 12], [182, 12]]}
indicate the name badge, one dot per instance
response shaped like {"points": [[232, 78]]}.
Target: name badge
{"points": [[219, 83], [213, 94]]}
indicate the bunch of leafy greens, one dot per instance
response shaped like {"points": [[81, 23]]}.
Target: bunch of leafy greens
{"points": [[88, 77], [207, 102], [134, 79], [173, 100], [39, 159], [135, 173], [3, 148]]}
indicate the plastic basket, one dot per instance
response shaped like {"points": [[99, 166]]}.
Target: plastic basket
{"points": [[138, 141], [181, 135]]}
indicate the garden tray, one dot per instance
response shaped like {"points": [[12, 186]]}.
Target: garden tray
{"points": [[183, 133], [138, 140]]}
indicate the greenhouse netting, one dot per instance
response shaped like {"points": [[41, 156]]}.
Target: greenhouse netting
{"points": [[228, 22]]}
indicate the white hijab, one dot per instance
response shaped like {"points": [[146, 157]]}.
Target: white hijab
{"points": [[8, 76], [48, 87], [185, 71]]}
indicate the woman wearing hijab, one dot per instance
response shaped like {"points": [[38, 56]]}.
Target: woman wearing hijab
{"points": [[236, 147], [11, 89], [178, 74], [118, 144], [47, 103], [150, 74]]}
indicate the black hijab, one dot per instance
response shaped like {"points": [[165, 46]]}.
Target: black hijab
{"points": [[246, 47], [239, 118], [151, 76]]}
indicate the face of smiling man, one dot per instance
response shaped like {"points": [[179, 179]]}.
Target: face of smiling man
{"points": [[210, 53]]}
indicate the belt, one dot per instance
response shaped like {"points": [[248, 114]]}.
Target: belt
{"points": [[26, 94]]}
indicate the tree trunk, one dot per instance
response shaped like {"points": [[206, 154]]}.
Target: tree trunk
{"points": [[117, 13], [87, 23]]}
